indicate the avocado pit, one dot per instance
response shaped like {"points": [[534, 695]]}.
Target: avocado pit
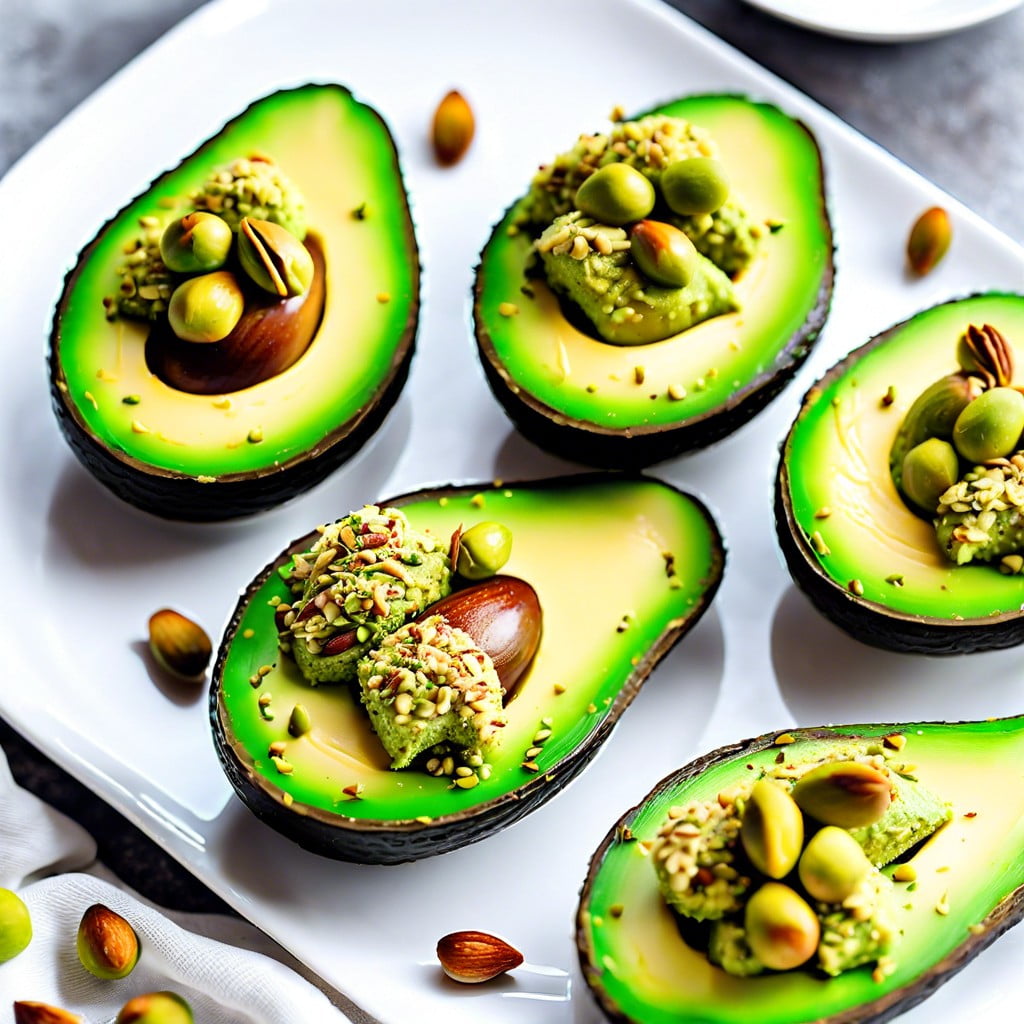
{"points": [[335, 788], [503, 615], [270, 336]]}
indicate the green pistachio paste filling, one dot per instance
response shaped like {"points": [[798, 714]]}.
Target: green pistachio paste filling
{"points": [[428, 689], [427, 684], [637, 229], [780, 890]]}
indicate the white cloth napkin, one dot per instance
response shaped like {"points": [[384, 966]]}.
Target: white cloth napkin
{"points": [[225, 982]]}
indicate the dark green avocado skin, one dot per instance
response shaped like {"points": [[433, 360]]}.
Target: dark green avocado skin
{"points": [[1009, 912], [181, 497], [588, 444], [365, 841], [186, 499], [868, 622]]}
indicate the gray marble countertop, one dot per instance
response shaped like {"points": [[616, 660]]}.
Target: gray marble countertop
{"points": [[951, 108]]}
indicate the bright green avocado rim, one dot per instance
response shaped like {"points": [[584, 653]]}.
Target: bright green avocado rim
{"points": [[804, 240], [581, 717], [957, 597], [981, 906], [265, 126]]}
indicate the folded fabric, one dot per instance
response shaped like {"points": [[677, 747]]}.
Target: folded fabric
{"points": [[225, 982], [36, 840]]}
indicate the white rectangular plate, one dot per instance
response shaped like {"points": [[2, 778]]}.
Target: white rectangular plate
{"points": [[537, 72]]}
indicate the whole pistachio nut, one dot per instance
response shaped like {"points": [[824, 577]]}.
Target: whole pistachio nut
{"points": [[179, 645], [616, 194], [196, 243], [832, 865], [107, 944], [772, 829], [782, 930], [663, 253], [453, 128], [984, 351], [274, 258], [28, 1012], [849, 794], [206, 308], [932, 414], [155, 1008], [929, 240], [990, 426], [695, 186], [483, 549], [929, 470], [15, 925]]}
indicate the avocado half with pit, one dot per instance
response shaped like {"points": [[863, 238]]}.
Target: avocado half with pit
{"points": [[623, 567], [851, 542], [249, 435], [586, 399], [641, 969]]}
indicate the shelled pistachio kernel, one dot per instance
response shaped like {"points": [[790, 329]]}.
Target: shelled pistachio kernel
{"points": [[772, 829], [929, 240], [832, 865], [32, 1012], [155, 1008], [453, 128], [299, 722], [616, 194], [15, 925], [782, 930], [106, 943], [179, 645], [849, 794]]}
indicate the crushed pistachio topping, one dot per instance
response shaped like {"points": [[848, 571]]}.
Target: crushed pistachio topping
{"points": [[981, 517], [649, 144], [429, 683], [702, 862], [362, 578], [254, 187], [819, 545], [579, 236], [860, 930], [145, 284], [694, 853]]}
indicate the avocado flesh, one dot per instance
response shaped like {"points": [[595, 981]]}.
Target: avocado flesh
{"points": [[775, 171], [641, 969], [340, 154], [837, 457], [707, 294], [619, 529]]}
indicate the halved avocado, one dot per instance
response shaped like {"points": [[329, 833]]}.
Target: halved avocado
{"points": [[584, 399], [623, 567], [641, 969], [851, 542], [207, 456]]}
